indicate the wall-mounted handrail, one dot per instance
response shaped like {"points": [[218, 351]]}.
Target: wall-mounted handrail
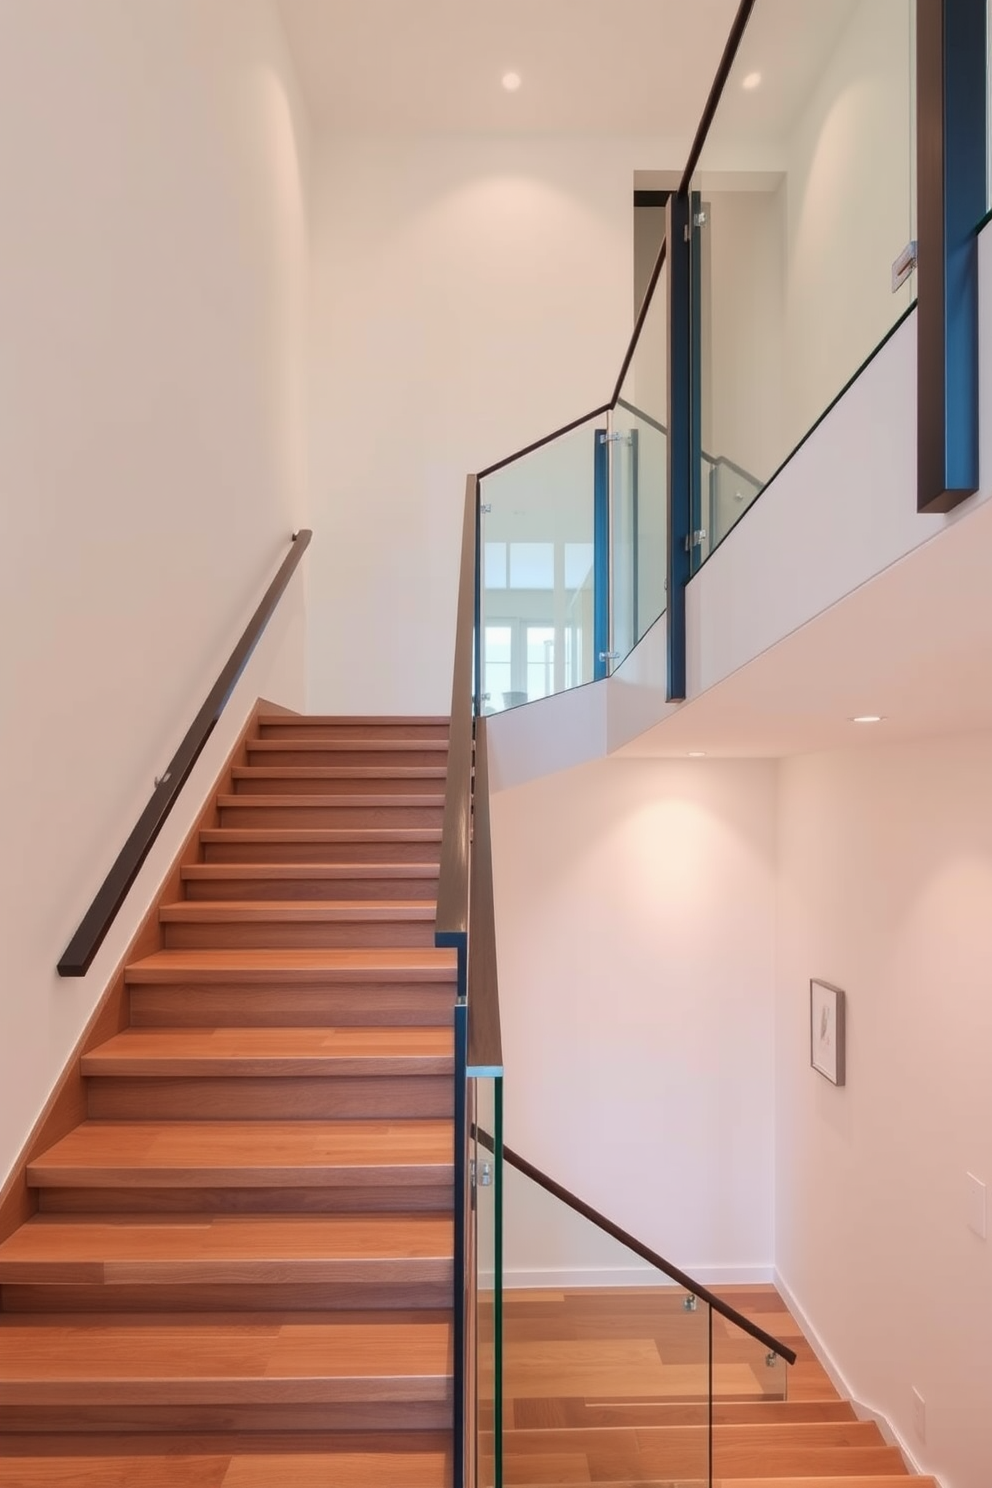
{"points": [[681, 1278], [97, 920]]}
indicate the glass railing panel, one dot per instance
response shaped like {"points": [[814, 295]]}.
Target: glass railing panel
{"points": [[538, 571], [802, 202], [605, 1363], [486, 1149], [745, 1370], [639, 474]]}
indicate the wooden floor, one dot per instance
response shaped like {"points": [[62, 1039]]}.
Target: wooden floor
{"points": [[609, 1386]]}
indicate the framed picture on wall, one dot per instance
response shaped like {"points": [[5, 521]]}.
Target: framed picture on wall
{"points": [[827, 1031]]}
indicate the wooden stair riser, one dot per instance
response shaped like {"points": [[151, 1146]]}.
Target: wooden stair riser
{"points": [[265, 882], [356, 753], [414, 845], [243, 1199], [251, 1419], [338, 781], [273, 727], [321, 1098], [336, 812], [277, 1005], [311, 935], [204, 1297]]}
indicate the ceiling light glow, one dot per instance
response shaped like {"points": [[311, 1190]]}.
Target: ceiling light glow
{"points": [[697, 753], [751, 81], [512, 81], [868, 718]]}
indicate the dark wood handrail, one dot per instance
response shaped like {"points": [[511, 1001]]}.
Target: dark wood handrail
{"points": [[640, 322], [529, 449], [485, 1044], [451, 924], [727, 61], [774, 1345], [97, 920]]}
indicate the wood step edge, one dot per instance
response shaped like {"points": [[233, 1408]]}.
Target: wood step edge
{"points": [[209, 872], [350, 744], [349, 720], [288, 802], [299, 911], [264, 835], [328, 966], [338, 772]]}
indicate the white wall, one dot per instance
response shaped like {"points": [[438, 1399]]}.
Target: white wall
{"points": [[886, 881], [471, 295], [635, 909], [152, 399]]}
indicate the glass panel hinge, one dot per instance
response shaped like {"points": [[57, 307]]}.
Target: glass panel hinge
{"points": [[480, 1174], [620, 436], [689, 1303], [904, 265], [699, 219], [485, 507], [695, 539], [609, 655]]}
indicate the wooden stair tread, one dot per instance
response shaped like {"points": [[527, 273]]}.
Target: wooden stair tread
{"points": [[322, 965], [331, 835], [274, 1051], [212, 872], [248, 1153], [186, 1358], [755, 1435], [356, 773], [348, 720], [399, 1459], [577, 1412], [244, 1248], [236, 911], [276, 747], [696, 1480], [325, 802]]}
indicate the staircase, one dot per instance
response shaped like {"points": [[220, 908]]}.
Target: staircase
{"points": [[240, 1270]]}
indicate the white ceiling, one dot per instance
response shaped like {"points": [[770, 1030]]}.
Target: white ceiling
{"points": [[588, 66], [914, 644]]}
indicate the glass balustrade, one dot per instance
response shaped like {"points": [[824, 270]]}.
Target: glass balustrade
{"points": [[606, 1362], [539, 587], [802, 209]]}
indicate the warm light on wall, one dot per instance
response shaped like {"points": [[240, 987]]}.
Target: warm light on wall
{"points": [[868, 718], [751, 81], [512, 81]]}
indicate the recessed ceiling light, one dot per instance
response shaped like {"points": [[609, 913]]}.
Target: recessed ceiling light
{"points": [[751, 81], [512, 81], [869, 718]]}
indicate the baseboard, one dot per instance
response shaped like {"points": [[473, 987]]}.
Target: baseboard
{"points": [[562, 1277], [862, 1410]]}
